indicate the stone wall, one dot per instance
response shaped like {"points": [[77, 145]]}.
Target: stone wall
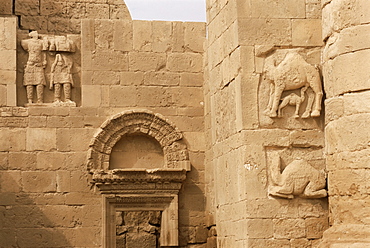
{"points": [[345, 58], [46, 195], [249, 142]]}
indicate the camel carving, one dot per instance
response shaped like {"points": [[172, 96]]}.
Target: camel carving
{"points": [[292, 73], [292, 99], [299, 178]]}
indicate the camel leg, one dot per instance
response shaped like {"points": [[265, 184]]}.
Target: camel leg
{"points": [[283, 104], [308, 110], [269, 105], [296, 114], [315, 83], [275, 104]]}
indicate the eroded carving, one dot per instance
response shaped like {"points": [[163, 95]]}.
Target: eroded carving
{"points": [[299, 178], [34, 75], [292, 73], [40, 50], [61, 76]]}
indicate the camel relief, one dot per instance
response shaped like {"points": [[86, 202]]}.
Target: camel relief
{"points": [[298, 178], [292, 73]]}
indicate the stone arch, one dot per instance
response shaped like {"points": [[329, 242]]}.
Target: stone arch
{"points": [[141, 122]]}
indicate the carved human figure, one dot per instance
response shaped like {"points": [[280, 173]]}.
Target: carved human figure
{"points": [[34, 69], [61, 76], [299, 178], [293, 99], [293, 72]]}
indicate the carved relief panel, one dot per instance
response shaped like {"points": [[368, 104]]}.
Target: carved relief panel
{"points": [[48, 61], [290, 92]]}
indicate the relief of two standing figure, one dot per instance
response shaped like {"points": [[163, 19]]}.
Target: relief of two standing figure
{"points": [[34, 72]]}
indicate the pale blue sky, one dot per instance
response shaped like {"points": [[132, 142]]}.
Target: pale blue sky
{"points": [[168, 10]]}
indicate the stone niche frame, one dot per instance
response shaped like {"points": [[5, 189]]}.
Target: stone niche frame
{"points": [[139, 189]]}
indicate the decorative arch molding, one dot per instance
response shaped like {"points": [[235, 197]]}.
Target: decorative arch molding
{"points": [[139, 189], [137, 122]]}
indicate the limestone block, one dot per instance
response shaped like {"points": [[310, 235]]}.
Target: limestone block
{"points": [[63, 181], [87, 35], [348, 160], [8, 61], [315, 227], [22, 161], [6, 7], [41, 139], [103, 34], [105, 78], [185, 62], [230, 39], [51, 8], [110, 60], [124, 96], [97, 11], [88, 236], [347, 134], [307, 138], [356, 103], [178, 37], [260, 228], [300, 243], [76, 139], [313, 9], [338, 15], [351, 39], [247, 95], [10, 181], [51, 161], [11, 93], [162, 36], [91, 95], [265, 32], [306, 32], [142, 36], [28, 7], [187, 97], [40, 23], [247, 59], [278, 9], [334, 108], [269, 243], [123, 35], [3, 95], [346, 204], [7, 77], [144, 61], [161, 78], [40, 181], [289, 228], [119, 11], [12, 139], [348, 182], [191, 79], [131, 78], [189, 124], [195, 36], [8, 40]]}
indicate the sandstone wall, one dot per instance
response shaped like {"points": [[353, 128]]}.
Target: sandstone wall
{"points": [[345, 58], [62, 16], [46, 198], [239, 159]]}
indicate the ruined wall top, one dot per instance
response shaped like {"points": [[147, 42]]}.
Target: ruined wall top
{"points": [[60, 16]]}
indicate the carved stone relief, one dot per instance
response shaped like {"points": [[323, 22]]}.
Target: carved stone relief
{"points": [[289, 74], [298, 179], [42, 49]]}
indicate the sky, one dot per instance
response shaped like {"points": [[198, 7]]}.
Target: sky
{"points": [[168, 10]]}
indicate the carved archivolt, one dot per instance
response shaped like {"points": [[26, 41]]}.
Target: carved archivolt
{"points": [[137, 122]]}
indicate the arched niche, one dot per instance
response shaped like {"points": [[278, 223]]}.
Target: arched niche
{"points": [[143, 123], [143, 188]]}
